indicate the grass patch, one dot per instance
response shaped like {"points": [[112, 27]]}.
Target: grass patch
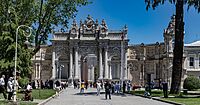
{"points": [[3, 102], [154, 93], [186, 101], [39, 93], [36, 93]]}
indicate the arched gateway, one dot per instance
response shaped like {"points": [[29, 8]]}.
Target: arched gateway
{"points": [[89, 52]]}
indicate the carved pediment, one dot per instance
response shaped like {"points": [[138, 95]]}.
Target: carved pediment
{"points": [[89, 25]]}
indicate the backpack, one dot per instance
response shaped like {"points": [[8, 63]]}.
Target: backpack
{"points": [[107, 87]]}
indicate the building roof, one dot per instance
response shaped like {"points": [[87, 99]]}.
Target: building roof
{"points": [[196, 43]]}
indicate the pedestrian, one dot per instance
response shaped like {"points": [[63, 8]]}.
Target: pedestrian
{"points": [[82, 87], [98, 88], [10, 87], [75, 84], [124, 86], [128, 86], [57, 87], [86, 85], [41, 84], [47, 84], [117, 87], [113, 87], [107, 89], [28, 93], [2, 86]]}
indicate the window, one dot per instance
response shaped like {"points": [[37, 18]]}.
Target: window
{"points": [[199, 61], [191, 61]]}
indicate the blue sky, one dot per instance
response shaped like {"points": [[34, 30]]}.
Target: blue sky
{"points": [[143, 26]]}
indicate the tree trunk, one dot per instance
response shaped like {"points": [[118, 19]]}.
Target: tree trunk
{"points": [[178, 49]]}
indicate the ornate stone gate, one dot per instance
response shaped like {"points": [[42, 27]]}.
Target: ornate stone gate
{"points": [[90, 51]]}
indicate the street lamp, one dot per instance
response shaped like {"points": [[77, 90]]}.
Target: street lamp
{"points": [[61, 66], [15, 70]]}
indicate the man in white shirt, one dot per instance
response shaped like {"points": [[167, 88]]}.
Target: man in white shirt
{"points": [[28, 93], [10, 86], [98, 88], [2, 86]]}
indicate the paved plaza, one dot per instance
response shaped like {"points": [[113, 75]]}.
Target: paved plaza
{"points": [[71, 96]]}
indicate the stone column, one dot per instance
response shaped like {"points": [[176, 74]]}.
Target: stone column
{"points": [[125, 66], [106, 63], [76, 63], [92, 73], [110, 71], [89, 73], [118, 70], [53, 65], [71, 63], [100, 64]]}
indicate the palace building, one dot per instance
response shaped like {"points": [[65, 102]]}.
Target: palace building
{"points": [[88, 51]]}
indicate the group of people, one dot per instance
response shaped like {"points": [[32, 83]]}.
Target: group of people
{"points": [[110, 87], [9, 88]]}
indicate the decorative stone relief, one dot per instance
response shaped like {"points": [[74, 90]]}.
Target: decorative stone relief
{"points": [[87, 50], [113, 51], [89, 26]]}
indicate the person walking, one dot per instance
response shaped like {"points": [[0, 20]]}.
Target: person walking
{"points": [[117, 87], [107, 89], [57, 87], [2, 86], [113, 87], [98, 88], [10, 87], [82, 87], [124, 87]]}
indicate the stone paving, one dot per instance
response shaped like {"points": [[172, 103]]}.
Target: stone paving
{"points": [[71, 96]]}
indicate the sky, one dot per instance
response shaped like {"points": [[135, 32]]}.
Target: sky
{"points": [[143, 26]]}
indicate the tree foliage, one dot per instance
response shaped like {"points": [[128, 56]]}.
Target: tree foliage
{"points": [[155, 3], [44, 16]]}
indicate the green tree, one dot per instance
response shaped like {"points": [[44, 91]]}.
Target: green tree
{"points": [[44, 16], [179, 36]]}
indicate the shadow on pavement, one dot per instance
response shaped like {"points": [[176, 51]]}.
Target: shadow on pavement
{"points": [[95, 94]]}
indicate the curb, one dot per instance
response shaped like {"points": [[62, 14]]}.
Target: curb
{"points": [[170, 102], [48, 99], [157, 99]]}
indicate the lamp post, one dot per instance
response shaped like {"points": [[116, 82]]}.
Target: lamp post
{"points": [[61, 66], [15, 69]]}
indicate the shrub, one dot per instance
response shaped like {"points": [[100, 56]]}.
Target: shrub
{"points": [[23, 82], [191, 83]]}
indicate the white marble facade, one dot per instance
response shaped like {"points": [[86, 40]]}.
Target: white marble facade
{"points": [[89, 52]]}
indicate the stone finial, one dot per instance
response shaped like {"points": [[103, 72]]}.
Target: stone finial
{"points": [[125, 27], [89, 17], [103, 23], [74, 24], [96, 22]]}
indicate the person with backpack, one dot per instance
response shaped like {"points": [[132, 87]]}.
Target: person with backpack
{"points": [[107, 89]]}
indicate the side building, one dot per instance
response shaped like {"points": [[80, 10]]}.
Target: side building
{"points": [[153, 62], [192, 61]]}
